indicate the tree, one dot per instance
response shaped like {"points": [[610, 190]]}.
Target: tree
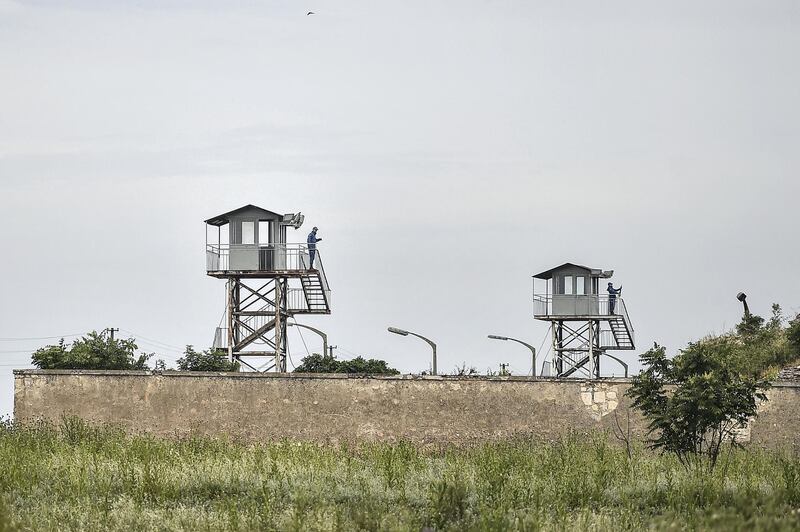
{"points": [[93, 351], [694, 402], [209, 360], [316, 363], [760, 346], [793, 334]]}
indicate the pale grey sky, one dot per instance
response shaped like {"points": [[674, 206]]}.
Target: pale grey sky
{"points": [[447, 151]]}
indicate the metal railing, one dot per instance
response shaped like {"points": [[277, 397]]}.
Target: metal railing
{"points": [[591, 305], [578, 305], [254, 257]]}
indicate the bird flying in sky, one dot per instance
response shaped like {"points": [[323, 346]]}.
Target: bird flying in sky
{"points": [[310, 13]]}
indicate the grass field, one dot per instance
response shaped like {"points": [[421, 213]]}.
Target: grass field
{"points": [[78, 477]]}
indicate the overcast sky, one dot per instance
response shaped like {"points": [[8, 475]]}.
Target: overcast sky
{"points": [[447, 151]]}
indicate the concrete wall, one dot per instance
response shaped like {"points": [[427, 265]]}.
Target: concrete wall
{"points": [[336, 408]]}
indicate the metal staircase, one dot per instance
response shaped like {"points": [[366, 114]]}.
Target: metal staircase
{"points": [[622, 333], [317, 297]]}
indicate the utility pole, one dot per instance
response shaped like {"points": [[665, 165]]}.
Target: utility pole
{"points": [[503, 370], [111, 331], [331, 348]]}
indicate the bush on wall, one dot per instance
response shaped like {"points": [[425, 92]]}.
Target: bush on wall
{"points": [[93, 351], [209, 360]]}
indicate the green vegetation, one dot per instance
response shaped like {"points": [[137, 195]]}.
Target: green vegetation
{"points": [[80, 477], [762, 346], [210, 360], [93, 351], [696, 401], [316, 363]]}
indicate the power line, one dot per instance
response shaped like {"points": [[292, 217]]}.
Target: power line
{"points": [[40, 338], [159, 347], [289, 354], [152, 340], [340, 348], [302, 338]]}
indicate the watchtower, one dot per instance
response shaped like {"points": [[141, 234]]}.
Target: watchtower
{"points": [[268, 281], [585, 324]]}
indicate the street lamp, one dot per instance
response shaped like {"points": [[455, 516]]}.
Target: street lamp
{"points": [[529, 346], [401, 332], [322, 334], [741, 296]]}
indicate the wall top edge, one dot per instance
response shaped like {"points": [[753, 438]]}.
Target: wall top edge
{"points": [[324, 376], [332, 376]]}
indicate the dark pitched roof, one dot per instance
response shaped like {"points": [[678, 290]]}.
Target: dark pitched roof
{"points": [[548, 274], [222, 219]]}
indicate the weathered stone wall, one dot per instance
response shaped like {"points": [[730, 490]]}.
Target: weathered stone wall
{"points": [[337, 408]]}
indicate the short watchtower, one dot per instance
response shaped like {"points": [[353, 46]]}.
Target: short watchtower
{"points": [[269, 280], [585, 324]]}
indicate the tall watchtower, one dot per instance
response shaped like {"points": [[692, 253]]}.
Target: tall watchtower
{"points": [[585, 324], [268, 281]]}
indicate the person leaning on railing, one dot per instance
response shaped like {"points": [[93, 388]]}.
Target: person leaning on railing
{"points": [[312, 247], [612, 297]]}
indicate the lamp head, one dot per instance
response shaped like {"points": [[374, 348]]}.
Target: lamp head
{"points": [[741, 296], [395, 330], [495, 337]]}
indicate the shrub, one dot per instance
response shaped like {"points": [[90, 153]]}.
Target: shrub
{"points": [[708, 401], [209, 360], [759, 345], [93, 351], [316, 363]]}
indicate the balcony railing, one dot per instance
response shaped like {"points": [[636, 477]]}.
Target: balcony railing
{"points": [[582, 306], [258, 258], [578, 305]]}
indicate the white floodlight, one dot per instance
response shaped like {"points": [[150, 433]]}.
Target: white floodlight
{"points": [[295, 220]]}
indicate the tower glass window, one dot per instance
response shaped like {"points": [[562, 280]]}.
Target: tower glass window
{"points": [[264, 227], [248, 233], [580, 285], [568, 285]]}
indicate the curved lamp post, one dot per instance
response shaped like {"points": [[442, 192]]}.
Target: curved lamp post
{"points": [[401, 332], [312, 329], [529, 346]]}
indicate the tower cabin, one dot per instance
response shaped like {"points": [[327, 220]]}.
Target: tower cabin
{"points": [[269, 281], [587, 320], [252, 241]]}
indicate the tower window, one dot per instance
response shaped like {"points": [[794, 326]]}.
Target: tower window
{"points": [[568, 285], [263, 232], [248, 232], [580, 285]]}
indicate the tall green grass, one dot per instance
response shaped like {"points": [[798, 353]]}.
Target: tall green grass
{"points": [[81, 477]]}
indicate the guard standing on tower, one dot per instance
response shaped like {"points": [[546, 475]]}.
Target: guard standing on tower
{"points": [[312, 247], [612, 297]]}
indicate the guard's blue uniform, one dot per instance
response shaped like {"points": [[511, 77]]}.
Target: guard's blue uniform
{"points": [[312, 247], [612, 298]]}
